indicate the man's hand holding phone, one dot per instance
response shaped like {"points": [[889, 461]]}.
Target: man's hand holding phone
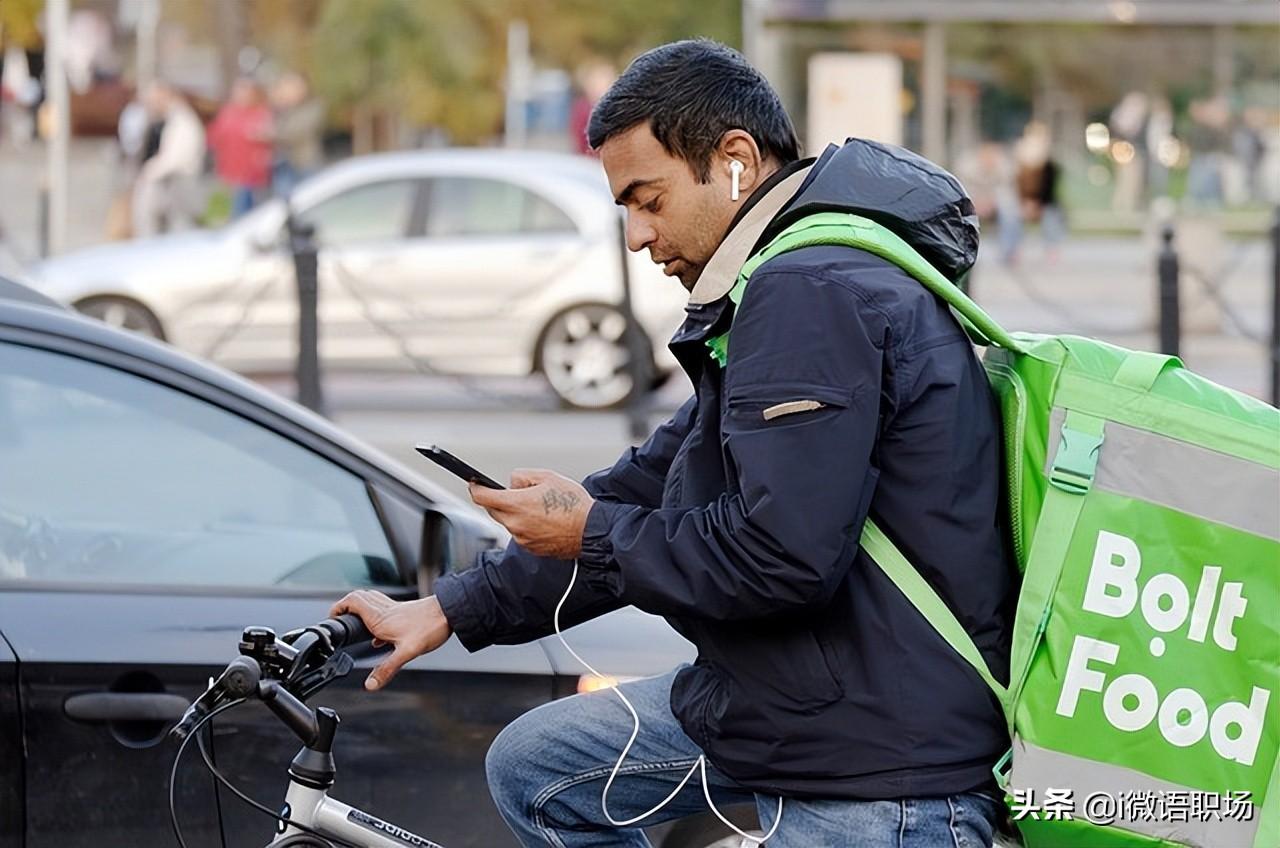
{"points": [[545, 512]]}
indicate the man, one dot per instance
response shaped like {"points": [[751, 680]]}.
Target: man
{"points": [[298, 126], [240, 138], [167, 188], [848, 389]]}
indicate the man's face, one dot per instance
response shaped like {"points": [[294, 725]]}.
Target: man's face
{"points": [[678, 219]]}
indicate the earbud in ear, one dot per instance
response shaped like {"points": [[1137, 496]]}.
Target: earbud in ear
{"points": [[735, 171]]}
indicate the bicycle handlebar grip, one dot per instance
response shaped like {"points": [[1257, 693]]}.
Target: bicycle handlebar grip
{"points": [[238, 680], [346, 629]]}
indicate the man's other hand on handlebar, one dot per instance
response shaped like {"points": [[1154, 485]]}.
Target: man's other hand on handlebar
{"points": [[411, 628]]}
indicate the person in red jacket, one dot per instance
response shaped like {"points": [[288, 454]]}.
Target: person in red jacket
{"points": [[240, 138]]}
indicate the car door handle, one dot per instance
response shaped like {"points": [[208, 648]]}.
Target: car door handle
{"points": [[125, 706]]}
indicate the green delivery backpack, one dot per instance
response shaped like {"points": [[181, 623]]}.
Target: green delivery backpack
{"points": [[1144, 695]]}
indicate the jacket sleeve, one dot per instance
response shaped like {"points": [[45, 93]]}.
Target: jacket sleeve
{"points": [[509, 596], [802, 396], [639, 475]]}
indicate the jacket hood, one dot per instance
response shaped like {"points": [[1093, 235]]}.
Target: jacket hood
{"points": [[919, 201]]}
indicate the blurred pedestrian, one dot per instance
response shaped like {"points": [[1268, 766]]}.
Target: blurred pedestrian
{"points": [[299, 123], [240, 138], [131, 135], [1239, 173], [1053, 223], [593, 80], [20, 84], [1038, 186], [1266, 122], [132, 129], [1128, 123], [990, 179], [166, 196], [1157, 136]]}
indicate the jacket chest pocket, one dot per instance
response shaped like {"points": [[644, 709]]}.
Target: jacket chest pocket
{"points": [[771, 405], [766, 421]]}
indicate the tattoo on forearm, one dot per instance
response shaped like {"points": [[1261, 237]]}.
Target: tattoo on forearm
{"points": [[556, 500]]}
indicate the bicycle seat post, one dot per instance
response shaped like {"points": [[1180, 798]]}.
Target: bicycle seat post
{"points": [[314, 765]]}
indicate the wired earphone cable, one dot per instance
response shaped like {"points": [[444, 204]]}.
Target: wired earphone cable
{"points": [[700, 765]]}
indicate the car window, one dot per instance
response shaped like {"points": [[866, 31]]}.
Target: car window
{"points": [[373, 212], [111, 478], [466, 206]]}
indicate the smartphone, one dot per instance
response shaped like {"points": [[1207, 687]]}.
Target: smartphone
{"points": [[457, 467]]}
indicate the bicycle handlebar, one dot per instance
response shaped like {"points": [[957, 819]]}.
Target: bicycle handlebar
{"points": [[238, 680], [243, 676], [347, 629]]}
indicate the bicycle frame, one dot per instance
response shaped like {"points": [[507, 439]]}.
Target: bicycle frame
{"points": [[313, 808], [292, 674]]}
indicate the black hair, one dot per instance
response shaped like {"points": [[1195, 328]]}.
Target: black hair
{"points": [[691, 93]]}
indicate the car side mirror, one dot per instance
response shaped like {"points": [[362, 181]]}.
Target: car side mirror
{"points": [[451, 542]]}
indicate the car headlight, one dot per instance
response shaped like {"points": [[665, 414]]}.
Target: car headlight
{"points": [[596, 682]]}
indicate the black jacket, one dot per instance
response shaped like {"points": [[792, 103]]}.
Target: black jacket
{"points": [[815, 676]]}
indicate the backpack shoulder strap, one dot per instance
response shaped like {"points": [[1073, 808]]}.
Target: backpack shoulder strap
{"points": [[849, 230], [922, 596]]}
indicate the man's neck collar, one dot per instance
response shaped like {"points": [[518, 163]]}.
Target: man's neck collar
{"points": [[721, 271]]}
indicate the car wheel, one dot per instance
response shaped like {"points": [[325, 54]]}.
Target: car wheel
{"points": [[660, 379], [122, 312], [583, 354]]}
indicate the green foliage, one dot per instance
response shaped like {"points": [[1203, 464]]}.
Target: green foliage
{"points": [[18, 22], [443, 62], [572, 31]]}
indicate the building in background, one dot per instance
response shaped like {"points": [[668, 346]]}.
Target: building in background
{"points": [[1188, 91]]}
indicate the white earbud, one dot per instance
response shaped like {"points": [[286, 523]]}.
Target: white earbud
{"points": [[735, 171]]}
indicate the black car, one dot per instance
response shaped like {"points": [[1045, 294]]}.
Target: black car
{"points": [[151, 507]]}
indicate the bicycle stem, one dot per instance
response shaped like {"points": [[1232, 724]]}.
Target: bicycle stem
{"points": [[296, 715]]}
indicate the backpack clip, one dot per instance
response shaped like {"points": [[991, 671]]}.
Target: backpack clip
{"points": [[1076, 461], [1000, 771]]}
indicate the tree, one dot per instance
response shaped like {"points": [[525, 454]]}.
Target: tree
{"points": [[443, 62], [19, 23]]}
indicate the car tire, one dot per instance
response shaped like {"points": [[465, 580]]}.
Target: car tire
{"points": [[582, 353], [660, 379], [706, 831], [123, 312]]}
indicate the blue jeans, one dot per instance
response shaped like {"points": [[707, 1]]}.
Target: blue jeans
{"points": [[285, 177], [546, 771], [243, 199]]}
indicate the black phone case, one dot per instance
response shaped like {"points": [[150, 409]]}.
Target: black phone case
{"points": [[457, 467]]}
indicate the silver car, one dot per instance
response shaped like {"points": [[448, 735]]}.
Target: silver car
{"points": [[476, 262]]}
